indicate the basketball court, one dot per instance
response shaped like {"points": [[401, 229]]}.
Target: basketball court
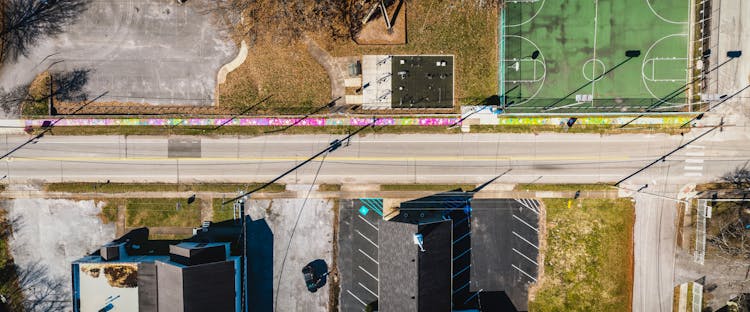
{"points": [[570, 56]]}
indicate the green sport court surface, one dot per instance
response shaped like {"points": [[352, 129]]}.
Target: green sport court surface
{"points": [[578, 40]]}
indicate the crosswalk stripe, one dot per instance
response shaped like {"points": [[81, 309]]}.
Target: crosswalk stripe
{"points": [[694, 168], [694, 161], [693, 174], [701, 154]]}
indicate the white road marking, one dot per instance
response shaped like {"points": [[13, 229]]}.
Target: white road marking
{"points": [[355, 297], [368, 222], [528, 242], [693, 167], [365, 237], [701, 154], [527, 258], [368, 273], [693, 174], [524, 273], [694, 161], [368, 256], [524, 222], [370, 291], [696, 147]]}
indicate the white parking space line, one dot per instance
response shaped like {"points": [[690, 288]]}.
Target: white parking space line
{"points": [[365, 237], [528, 242], [368, 222], [524, 222], [368, 256], [524, 273], [368, 290], [355, 297], [527, 258], [693, 167], [694, 161], [368, 273]]}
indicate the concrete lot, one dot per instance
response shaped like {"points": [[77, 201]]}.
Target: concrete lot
{"points": [[730, 33], [312, 240], [51, 234], [144, 51]]}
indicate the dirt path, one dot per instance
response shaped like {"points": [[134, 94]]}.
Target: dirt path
{"points": [[336, 67], [120, 224]]}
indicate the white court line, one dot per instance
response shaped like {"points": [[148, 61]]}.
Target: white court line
{"points": [[694, 161], [695, 154], [593, 64], [355, 297], [527, 274], [368, 273], [527, 258], [368, 256], [524, 222], [693, 174], [528, 242], [365, 237], [368, 222], [370, 291]]}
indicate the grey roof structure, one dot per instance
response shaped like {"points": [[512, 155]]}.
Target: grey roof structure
{"points": [[398, 267], [190, 276], [410, 279]]}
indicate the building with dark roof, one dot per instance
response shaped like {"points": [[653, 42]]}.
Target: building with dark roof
{"points": [[134, 274], [407, 82], [481, 260], [411, 279]]}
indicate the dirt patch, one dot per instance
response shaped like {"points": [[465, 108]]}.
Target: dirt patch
{"points": [[122, 276], [334, 288], [376, 32]]}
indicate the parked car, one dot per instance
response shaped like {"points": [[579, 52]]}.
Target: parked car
{"points": [[311, 279]]}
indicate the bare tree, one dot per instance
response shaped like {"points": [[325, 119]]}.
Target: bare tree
{"points": [[739, 178], [24, 22], [41, 291], [11, 101]]}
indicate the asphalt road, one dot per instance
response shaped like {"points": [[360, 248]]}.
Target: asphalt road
{"points": [[467, 158]]}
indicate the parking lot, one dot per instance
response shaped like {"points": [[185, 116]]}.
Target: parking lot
{"points": [[505, 247], [359, 221], [142, 51]]}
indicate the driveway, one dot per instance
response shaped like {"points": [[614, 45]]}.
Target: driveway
{"points": [[142, 51]]}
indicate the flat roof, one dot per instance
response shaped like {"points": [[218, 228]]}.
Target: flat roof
{"points": [[435, 267], [422, 81]]}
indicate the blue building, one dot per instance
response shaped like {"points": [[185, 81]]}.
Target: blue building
{"points": [[140, 275]]}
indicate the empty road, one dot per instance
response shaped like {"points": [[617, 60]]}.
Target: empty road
{"points": [[467, 158]]}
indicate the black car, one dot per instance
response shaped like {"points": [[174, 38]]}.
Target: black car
{"points": [[311, 279]]}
